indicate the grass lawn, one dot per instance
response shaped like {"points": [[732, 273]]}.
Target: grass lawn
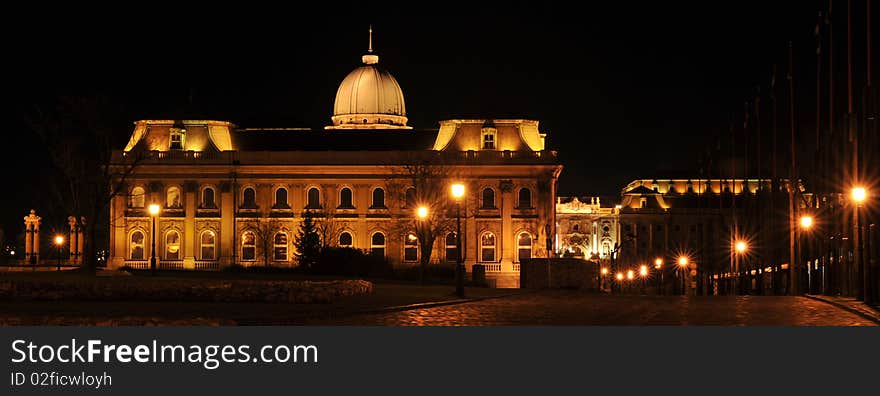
{"points": [[385, 294]]}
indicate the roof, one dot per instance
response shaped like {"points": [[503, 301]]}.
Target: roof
{"points": [[269, 139], [641, 190]]}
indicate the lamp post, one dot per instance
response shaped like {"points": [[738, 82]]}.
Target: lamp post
{"points": [[603, 273], [740, 246], [806, 223], [59, 242], [658, 265], [643, 273], [683, 264], [859, 194], [154, 212], [458, 194]]}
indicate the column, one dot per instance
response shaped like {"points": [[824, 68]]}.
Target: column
{"points": [[227, 238], [191, 190]]}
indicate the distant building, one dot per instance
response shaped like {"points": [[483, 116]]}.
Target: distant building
{"points": [[219, 185]]}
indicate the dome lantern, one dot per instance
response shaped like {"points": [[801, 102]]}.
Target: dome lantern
{"points": [[369, 98]]}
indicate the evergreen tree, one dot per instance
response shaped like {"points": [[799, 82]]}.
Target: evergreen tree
{"points": [[307, 242]]}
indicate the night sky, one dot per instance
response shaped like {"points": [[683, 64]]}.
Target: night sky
{"points": [[623, 91]]}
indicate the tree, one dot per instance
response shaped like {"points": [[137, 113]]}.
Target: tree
{"points": [[424, 180], [77, 132], [264, 233], [307, 242], [326, 227]]}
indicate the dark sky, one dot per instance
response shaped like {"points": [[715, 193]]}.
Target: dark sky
{"points": [[623, 90]]}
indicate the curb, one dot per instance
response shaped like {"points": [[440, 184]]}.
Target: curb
{"points": [[873, 316], [432, 304]]}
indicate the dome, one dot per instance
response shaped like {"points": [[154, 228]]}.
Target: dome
{"points": [[369, 98]]}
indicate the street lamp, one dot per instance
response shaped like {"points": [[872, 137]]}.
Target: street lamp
{"points": [[859, 194], [806, 222], [458, 194], [154, 212], [658, 265], [59, 241], [643, 273], [422, 212], [741, 247], [683, 264]]}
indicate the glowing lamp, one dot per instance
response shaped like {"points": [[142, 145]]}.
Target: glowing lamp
{"points": [[859, 194], [741, 246], [154, 209], [422, 212], [458, 190], [59, 240], [643, 271], [683, 261], [806, 222], [619, 276], [604, 271], [630, 274]]}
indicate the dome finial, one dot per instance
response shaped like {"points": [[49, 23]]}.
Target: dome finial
{"points": [[370, 58]]}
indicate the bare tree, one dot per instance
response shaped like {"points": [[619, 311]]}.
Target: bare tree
{"points": [[327, 227], [424, 180], [264, 230], [78, 135]]}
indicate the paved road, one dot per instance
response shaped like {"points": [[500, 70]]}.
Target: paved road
{"points": [[575, 308]]}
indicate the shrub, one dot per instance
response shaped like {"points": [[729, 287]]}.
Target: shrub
{"points": [[351, 262]]}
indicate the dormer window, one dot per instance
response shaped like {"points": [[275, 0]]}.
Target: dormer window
{"points": [[489, 138], [177, 137]]}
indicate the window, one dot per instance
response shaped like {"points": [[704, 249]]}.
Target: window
{"points": [[576, 228], [172, 197], [524, 246], [345, 240], [488, 139], [488, 198], [487, 247], [249, 198], [643, 202], [377, 244], [411, 248], [248, 246], [345, 198], [207, 245], [208, 198], [451, 248], [411, 197], [136, 246], [281, 198], [314, 199], [172, 245], [280, 246], [177, 135], [378, 198], [137, 197], [525, 198], [606, 249]]}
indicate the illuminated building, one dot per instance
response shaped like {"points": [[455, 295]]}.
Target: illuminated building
{"points": [[220, 185]]}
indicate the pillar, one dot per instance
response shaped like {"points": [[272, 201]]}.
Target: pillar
{"points": [[227, 235], [32, 238], [189, 237]]}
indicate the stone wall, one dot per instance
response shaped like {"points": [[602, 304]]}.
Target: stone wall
{"points": [[140, 289], [559, 273]]}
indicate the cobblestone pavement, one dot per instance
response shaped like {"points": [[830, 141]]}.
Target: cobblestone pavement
{"points": [[576, 308]]}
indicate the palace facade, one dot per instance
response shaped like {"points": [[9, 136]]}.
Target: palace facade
{"points": [[233, 195]]}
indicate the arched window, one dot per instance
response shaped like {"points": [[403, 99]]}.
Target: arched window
{"points": [[172, 197], [249, 198], [378, 198], [525, 198], [488, 198], [377, 244], [345, 201], [451, 248], [137, 197], [345, 240], [524, 246], [172, 245], [208, 198], [136, 246], [411, 247], [487, 247], [281, 198], [314, 199], [206, 242], [279, 243], [606, 249], [576, 227], [248, 246], [411, 197]]}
